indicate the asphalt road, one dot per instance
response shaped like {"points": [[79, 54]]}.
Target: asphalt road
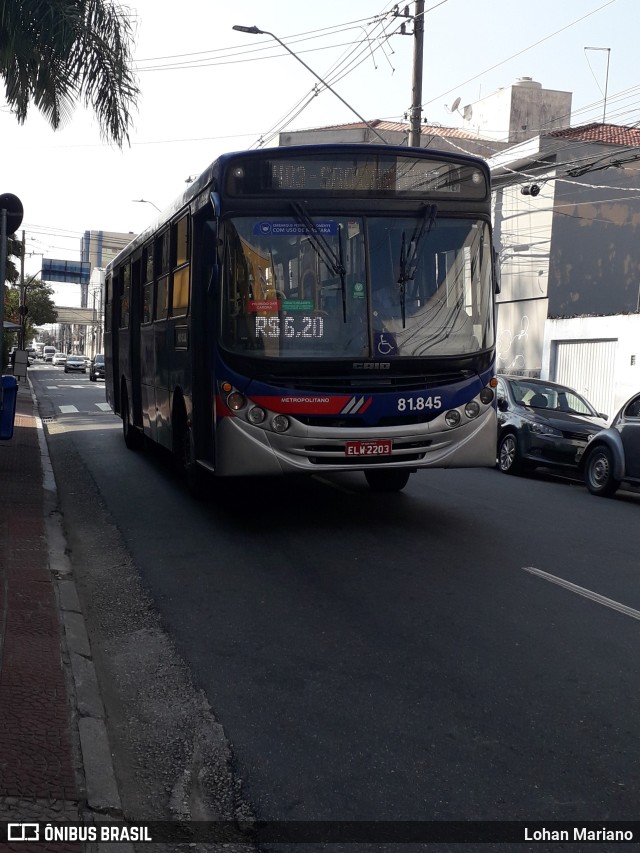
{"points": [[311, 650]]}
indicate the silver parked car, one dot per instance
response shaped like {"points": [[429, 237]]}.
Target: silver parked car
{"points": [[75, 364]]}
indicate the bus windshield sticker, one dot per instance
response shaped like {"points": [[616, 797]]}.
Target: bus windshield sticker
{"points": [[278, 227], [256, 305], [297, 304]]}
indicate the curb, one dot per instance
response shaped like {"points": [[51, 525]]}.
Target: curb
{"points": [[88, 717]]}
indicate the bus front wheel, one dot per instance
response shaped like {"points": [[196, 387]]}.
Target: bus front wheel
{"points": [[185, 452], [132, 438], [391, 480]]}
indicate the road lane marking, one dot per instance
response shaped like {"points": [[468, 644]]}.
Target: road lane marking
{"points": [[587, 593], [104, 407], [67, 410]]}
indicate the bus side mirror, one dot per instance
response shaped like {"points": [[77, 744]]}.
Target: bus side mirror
{"points": [[496, 271]]}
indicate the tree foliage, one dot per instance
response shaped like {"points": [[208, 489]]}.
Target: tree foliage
{"points": [[39, 303], [14, 250], [54, 53]]}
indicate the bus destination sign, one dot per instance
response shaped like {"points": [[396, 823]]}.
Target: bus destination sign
{"points": [[386, 175]]}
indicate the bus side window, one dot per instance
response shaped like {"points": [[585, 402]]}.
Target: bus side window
{"points": [[125, 295], [161, 310], [147, 284], [108, 298], [180, 297]]}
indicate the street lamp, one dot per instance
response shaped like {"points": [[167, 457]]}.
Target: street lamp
{"points": [[146, 201], [257, 32]]}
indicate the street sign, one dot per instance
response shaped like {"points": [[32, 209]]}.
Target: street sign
{"points": [[12, 204], [75, 272]]}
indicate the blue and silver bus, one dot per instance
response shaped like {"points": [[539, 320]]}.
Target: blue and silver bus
{"points": [[311, 309]]}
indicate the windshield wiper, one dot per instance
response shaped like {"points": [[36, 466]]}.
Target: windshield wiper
{"points": [[324, 251], [409, 255]]}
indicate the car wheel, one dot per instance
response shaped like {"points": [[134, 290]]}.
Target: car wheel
{"points": [[509, 460], [392, 480], [598, 473]]}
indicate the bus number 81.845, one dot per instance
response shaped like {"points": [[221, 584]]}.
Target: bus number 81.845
{"points": [[290, 327]]}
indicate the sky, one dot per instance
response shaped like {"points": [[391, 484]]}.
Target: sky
{"points": [[207, 89]]}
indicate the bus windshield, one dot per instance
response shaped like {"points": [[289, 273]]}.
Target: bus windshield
{"points": [[357, 286]]}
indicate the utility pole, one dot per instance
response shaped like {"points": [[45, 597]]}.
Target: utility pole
{"points": [[22, 294], [416, 88]]}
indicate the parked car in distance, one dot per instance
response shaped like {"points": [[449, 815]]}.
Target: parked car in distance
{"points": [[612, 456], [75, 363], [59, 358], [542, 424], [96, 371]]}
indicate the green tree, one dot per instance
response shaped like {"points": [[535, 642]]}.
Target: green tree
{"points": [[14, 250], [54, 53], [39, 303]]}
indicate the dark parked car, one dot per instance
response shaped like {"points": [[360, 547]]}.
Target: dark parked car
{"points": [[96, 371], [542, 424], [613, 455]]}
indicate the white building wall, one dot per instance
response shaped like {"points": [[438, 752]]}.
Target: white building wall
{"points": [[623, 330], [522, 233], [518, 112]]}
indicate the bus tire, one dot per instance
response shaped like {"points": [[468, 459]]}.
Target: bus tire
{"points": [[132, 438], [391, 480], [185, 453]]}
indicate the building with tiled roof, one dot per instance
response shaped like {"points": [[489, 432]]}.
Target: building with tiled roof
{"points": [[566, 222], [606, 134], [395, 133]]}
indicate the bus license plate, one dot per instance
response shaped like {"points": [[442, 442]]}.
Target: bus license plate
{"points": [[377, 447]]}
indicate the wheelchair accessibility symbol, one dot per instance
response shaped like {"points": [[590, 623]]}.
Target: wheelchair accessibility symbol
{"points": [[385, 344]]}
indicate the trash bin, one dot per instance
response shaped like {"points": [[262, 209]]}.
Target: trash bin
{"points": [[8, 412]]}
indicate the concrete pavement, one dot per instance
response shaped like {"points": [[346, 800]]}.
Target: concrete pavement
{"points": [[55, 760]]}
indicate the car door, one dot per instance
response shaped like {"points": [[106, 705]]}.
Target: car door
{"points": [[629, 428]]}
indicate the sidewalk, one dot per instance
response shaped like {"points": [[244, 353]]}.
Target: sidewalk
{"points": [[55, 763]]}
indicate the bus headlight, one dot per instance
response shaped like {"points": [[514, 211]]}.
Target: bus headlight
{"points": [[256, 415], [486, 395], [235, 401], [280, 423], [472, 409], [452, 418]]}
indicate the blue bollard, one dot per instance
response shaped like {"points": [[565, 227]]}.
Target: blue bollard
{"points": [[8, 411]]}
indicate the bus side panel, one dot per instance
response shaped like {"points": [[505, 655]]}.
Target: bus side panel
{"points": [[147, 380], [180, 373], [162, 350], [134, 352]]}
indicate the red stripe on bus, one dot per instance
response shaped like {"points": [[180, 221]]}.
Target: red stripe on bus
{"points": [[303, 404]]}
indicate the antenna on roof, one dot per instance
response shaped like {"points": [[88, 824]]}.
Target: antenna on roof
{"points": [[454, 107]]}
